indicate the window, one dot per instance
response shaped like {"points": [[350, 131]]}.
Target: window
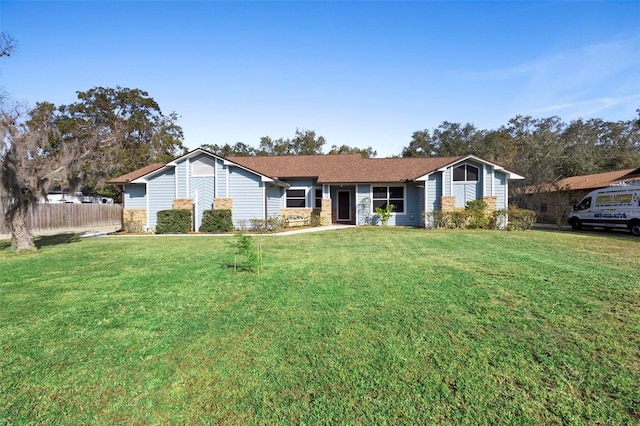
{"points": [[584, 204], [317, 199], [296, 198], [466, 173], [384, 195], [203, 166]]}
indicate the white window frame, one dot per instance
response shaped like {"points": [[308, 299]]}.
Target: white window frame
{"points": [[315, 198], [465, 172], [296, 188], [389, 200]]}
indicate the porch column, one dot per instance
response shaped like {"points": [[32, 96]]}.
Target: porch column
{"points": [[325, 212]]}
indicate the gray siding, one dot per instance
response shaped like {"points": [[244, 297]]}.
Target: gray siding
{"points": [[446, 182], [466, 191], [161, 189], [500, 180], [363, 204], [487, 178], [413, 207], [275, 200], [181, 172], [221, 173], [203, 186], [246, 190], [434, 191], [135, 196]]}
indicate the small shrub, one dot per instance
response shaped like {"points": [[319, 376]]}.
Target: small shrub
{"points": [[520, 219], [271, 224], [173, 222], [246, 256], [385, 214], [498, 219], [217, 221], [447, 220], [314, 220], [477, 216], [242, 225]]}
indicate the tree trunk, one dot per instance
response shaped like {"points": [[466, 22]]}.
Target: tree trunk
{"points": [[21, 236]]}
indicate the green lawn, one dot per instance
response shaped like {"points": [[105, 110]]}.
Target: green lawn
{"points": [[361, 326]]}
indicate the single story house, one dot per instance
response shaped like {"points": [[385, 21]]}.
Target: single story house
{"points": [[334, 188], [555, 200]]}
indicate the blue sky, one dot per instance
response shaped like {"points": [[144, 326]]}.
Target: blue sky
{"points": [[358, 73]]}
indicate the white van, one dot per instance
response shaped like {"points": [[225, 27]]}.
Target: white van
{"points": [[617, 206]]}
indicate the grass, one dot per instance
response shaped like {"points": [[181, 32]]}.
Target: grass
{"points": [[362, 326]]}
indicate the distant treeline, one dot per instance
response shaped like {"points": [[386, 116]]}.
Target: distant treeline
{"points": [[543, 150]]}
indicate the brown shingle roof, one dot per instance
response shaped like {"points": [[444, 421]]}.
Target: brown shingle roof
{"points": [[351, 168], [127, 178], [598, 180]]}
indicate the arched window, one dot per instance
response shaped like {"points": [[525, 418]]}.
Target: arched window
{"points": [[466, 173]]}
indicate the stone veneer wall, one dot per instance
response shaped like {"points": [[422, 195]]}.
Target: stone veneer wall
{"points": [[448, 204], [325, 212], [223, 204], [492, 203], [305, 212], [182, 203], [134, 220]]}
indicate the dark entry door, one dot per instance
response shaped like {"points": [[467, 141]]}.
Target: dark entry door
{"points": [[344, 205]]}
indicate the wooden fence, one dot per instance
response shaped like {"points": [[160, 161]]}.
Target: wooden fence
{"points": [[59, 216]]}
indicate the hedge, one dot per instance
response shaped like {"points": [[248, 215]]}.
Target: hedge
{"points": [[173, 222], [217, 221]]}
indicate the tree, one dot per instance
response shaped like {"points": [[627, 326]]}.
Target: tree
{"points": [[582, 148], [110, 131], [452, 139], [7, 44], [447, 140], [144, 133], [498, 147], [305, 142], [239, 149], [32, 158], [345, 149], [538, 150], [421, 145]]}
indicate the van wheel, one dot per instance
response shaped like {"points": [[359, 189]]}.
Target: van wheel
{"points": [[634, 227], [576, 225]]}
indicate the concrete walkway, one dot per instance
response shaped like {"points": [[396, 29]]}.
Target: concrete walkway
{"points": [[100, 231], [273, 234]]}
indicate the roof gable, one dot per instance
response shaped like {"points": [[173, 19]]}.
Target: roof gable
{"points": [[155, 167]]}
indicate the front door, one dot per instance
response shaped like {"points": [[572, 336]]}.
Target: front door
{"points": [[344, 205]]}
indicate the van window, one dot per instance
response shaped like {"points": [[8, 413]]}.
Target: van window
{"points": [[584, 204]]}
